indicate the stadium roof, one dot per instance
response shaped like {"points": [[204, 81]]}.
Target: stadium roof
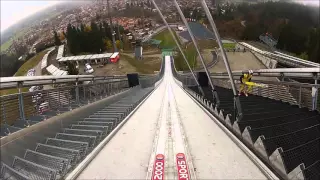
{"points": [[60, 52], [55, 71], [85, 57]]}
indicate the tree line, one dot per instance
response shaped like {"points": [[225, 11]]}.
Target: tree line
{"points": [[93, 38], [296, 27], [9, 64]]}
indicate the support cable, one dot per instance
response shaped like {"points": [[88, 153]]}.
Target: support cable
{"points": [[180, 49], [225, 59], [216, 100]]}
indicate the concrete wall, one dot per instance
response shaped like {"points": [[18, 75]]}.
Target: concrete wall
{"points": [[268, 62]]}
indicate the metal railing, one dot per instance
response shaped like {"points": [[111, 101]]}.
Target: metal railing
{"points": [[55, 146], [60, 94], [26, 81], [38, 105], [292, 92], [280, 58], [297, 73]]}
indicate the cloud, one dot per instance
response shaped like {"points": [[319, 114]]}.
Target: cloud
{"points": [[13, 11], [309, 2]]}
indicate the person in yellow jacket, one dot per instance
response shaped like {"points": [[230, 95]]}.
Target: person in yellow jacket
{"points": [[246, 77]]}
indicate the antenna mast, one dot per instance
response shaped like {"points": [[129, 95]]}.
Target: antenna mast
{"points": [[111, 28]]}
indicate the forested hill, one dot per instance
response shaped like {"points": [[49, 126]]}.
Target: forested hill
{"points": [[296, 27]]}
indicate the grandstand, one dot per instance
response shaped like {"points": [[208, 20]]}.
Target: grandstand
{"points": [[53, 70], [60, 52], [44, 61], [83, 59]]}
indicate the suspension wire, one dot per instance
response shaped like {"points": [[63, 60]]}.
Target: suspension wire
{"points": [[214, 92], [225, 59], [177, 43]]}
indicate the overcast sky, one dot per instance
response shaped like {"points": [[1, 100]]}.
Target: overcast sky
{"points": [[12, 10]]}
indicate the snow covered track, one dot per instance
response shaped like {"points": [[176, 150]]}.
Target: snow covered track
{"points": [[170, 137]]}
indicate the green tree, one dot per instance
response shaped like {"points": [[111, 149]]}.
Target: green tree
{"points": [[304, 56], [293, 39], [87, 28], [72, 69], [57, 41], [118, 44], [108, 44], [313, 45]]}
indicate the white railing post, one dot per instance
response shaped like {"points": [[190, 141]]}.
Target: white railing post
{"points": [[21, 104], [315, 95]]}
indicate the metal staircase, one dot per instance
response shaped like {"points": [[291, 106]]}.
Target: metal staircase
{"points": [[57, 155], [284, 135]]}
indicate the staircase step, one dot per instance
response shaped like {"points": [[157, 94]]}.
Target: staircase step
{"points": [[96, 133], [71, 154], [281, 129], [58, 164], [291, 140], [81, 138], [76, 145], [33, 170], [9, 173], [307, 154], [104, 129], [96, 123]]}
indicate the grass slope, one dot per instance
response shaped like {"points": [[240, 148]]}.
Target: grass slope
{"points": [[31, 63], [168, 42], [189, 51], [141, 65], [166, 39], [229, 45], [191, 55]]}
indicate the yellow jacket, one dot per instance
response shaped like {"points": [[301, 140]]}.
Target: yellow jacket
{"points": [[245, 78]]}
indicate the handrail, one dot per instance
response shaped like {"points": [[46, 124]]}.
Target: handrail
{"points": [[300, 73], [14, 82], [279, 57], [287, 70], [284, 83], [34, 78]]}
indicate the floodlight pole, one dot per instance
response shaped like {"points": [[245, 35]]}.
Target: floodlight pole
{"points": [[216, 100], [111, 29], [225, 59]]}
